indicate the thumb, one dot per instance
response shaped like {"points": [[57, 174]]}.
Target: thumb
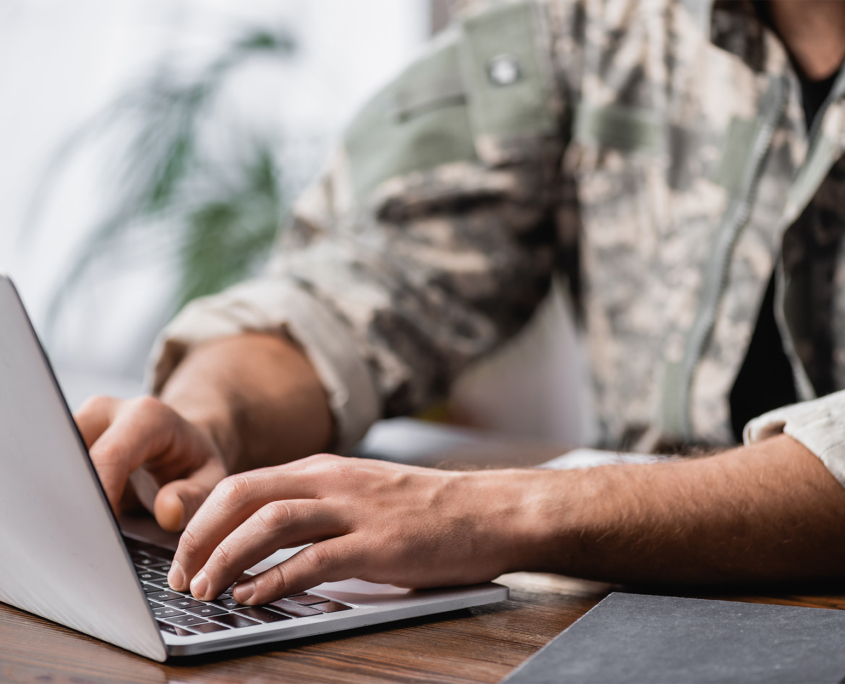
{"points": [[178, 500]]}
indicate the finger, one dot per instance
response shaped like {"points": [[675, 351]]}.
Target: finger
{"points": [[93, 417], [130, 501], [142, 430], [332, 560], [279, 524], [231, 503], [178, 501]]}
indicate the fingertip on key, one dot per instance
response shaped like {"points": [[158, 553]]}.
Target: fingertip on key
{"points": [[243, 592], [199, 585], [176, 578]]}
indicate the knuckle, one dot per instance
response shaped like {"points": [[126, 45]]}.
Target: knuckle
{"points": [[275, 515], [97, 404], [109, 454], [319, 556], [329, 465], [277, 578], [223, 555], [343, 468], [188, 541], [147, 406], [322, 459], [234, 488]]}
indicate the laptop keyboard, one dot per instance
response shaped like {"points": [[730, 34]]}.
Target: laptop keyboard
{"points": [[179, 613]]}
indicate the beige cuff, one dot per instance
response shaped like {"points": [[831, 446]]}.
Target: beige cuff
{"points": [[279, 307], [818, 424]]}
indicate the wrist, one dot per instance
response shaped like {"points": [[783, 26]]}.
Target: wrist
{"points": [[522, 514]]}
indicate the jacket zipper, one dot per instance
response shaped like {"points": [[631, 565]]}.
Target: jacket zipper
{"points": [[716, 277], [803, 386]]}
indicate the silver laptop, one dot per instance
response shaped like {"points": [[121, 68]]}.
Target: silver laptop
{"points": [[64, 557]]}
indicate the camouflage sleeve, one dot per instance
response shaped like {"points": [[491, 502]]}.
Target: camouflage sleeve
{"points": [[433, 235], [818, 424]]}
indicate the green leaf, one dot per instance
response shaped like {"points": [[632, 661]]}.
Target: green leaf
{"points": [[217, 218]]}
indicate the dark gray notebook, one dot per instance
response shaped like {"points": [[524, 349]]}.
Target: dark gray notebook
{"points": [[636, 638]]}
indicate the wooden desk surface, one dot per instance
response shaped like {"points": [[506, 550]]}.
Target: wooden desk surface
{"points": [[474, 645]]}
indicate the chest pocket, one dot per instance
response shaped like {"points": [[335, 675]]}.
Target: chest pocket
{"points": [[483, 86]]}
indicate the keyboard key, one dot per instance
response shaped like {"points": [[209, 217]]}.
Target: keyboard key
{"points": [[186, 620], [154, 550], [331, 607], [206, 611], [151, 588], [234, 620], [166, 612], [183, 594], [134, 543], [307, 599], [173, 629], [209, 627], [151, 576], [293, 609], [153, 604], [144, 548], [184, 603], [262, 614], [158, 566], [160, 554], [144, 562], [227, 603], [163, 596]]}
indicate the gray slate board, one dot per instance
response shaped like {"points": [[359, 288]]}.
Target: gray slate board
{"points": [[637, 638]]}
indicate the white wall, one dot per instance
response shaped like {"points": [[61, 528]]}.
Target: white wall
{"points": [[61, 62]]}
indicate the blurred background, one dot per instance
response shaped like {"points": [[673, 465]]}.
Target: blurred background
{"points": [[149, 149]]}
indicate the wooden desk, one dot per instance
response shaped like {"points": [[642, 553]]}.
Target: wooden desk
{"points": [[474, 645]]}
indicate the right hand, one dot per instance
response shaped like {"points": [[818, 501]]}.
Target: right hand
{"points": [[122, 435]]}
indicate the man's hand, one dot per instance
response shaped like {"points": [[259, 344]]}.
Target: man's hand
{"points": [[770, 511], [232, 404], [382, 522], [123, 435], [767, 512]]}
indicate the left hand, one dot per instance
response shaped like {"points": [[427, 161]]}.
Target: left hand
{"points": [[377, 521], [183, 458]]}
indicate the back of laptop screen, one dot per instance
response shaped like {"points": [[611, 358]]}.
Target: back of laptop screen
{"points": [[62, 556]]}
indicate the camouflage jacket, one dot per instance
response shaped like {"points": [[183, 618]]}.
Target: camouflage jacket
{"points": [[652, 151]]}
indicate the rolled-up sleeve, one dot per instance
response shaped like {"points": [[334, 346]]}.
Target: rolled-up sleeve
{"points": [[431, 238], [275, 306], [818, 424]]}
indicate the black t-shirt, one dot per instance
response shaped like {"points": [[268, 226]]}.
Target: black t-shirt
{"points": [[765, 380]]}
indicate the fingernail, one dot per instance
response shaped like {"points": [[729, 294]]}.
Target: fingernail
{"points": [[199, 585], [176, 578], [243, 592]]}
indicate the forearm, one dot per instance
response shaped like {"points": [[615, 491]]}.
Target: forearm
{"points": [[766, 512], [257, 396]]}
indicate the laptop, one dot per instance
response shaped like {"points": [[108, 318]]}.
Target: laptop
{"points": [[65, 558]]}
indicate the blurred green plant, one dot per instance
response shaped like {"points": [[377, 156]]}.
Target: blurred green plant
{"points": [[172, 198]]}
